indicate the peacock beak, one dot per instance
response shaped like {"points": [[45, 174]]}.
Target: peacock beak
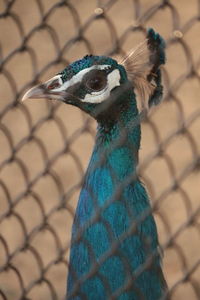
{"points": [[34, 92], [50, 89]]}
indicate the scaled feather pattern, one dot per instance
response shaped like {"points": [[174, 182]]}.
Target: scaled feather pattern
{"points": [[114, 246]]}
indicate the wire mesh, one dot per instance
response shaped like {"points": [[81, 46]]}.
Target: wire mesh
{"points": [[45, 147]]}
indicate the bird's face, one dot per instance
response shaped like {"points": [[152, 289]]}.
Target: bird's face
{"points": [[101, 87], [87, 83]]}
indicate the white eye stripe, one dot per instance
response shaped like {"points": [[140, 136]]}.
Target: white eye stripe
{"points": [[58, 77], [76, 78], [98, 97], [113, 80]]}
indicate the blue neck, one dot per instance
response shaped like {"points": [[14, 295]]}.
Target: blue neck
{"points": [[117, 144], [115, 157]]}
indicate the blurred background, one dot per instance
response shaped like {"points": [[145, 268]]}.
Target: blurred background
{"points": [[45, 147]]}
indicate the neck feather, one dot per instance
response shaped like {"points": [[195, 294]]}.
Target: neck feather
{"points": [[118, 138], [114, 157]]}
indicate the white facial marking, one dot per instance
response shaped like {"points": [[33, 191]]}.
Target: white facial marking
{"points": [[58, 77], [98, 97], [76, 78], [113, 80]]}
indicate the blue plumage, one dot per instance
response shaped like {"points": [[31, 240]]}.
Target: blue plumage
{"points": [[117, 218], [114, 251]]}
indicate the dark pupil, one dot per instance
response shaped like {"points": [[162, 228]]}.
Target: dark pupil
{"points": [[96, 83]]}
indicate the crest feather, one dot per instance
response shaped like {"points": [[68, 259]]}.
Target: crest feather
{"points": [[143, 67]]}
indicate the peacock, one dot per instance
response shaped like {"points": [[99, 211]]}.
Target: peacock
{"points": [[114, 245]]}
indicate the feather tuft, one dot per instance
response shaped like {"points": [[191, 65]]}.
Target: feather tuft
{"points": [[143, 67]]}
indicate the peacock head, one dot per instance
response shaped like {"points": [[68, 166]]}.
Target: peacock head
{"points": [[97, 84], [86, 83]]}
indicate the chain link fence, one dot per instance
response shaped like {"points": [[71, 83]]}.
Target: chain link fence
{"points": [[45, 146]]}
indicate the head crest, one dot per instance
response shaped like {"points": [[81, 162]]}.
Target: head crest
{"points": [[143, 67]]}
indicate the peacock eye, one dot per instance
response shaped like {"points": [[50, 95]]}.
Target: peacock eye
{"points": [[97, 81]]}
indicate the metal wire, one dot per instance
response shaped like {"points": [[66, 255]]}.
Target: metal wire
{"points": [[45, 147]]}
